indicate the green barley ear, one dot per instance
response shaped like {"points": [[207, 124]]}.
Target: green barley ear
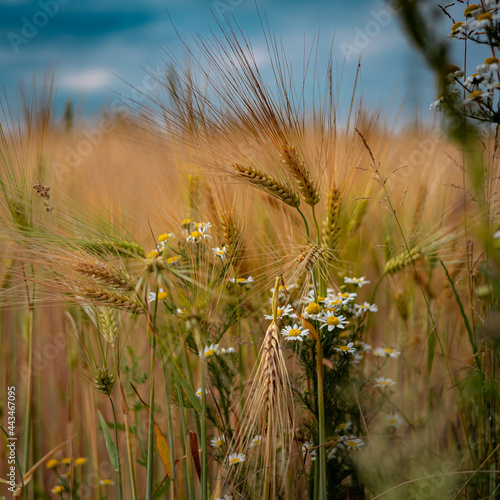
{"points": [[330, 230], [402, 260], [108, 323], [357, 216], [269, 184], [119, 248], [232, 238], [298, 169], [104, 381]]}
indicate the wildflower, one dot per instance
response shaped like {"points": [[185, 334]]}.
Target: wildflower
{"points": [[257, 440], [81, 461], [229, 350], [346, 297], [220, 252], [394, 420], [386, 351], [312, 297], [344, 427], [173, 260], [106, 482], [235, 458], [196, 236], [163, 240], [308, 447], [438, 104], [458, 28], [153, 254], [202, 226], [59, 489], [356, 281], [350, 442], [52, 463], [346, 349], [199, 393], [331, 321], [474, 79], [181, 311], [210, 350], [472, 10], [188, 225], [282, 313], [161, 296], [490, 65], [242, 281], [363, 346], [383, 382], [331, 453], [294, 332], [483, 21], [312, 310], [216, 442], [66, 461], [453, 73], [360, 309]]}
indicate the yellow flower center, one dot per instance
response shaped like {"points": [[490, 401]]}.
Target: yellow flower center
{"points": [[218, 442], [279, 312], [341, 427], [162, 295], [490, 60], [313, 308], [388, 350], [234, 460], [106, 481], [470, 8], [171, 260], [196, 234], [81, 461], [294, 332], [352, 443], [343, 335], [220, 252], [240, 280], [344, 348], [185, 222], [332, 321], [163, 237], [344, 295], [209, 353], [52, 463], [321, 299], [57, 489], [66, 461], [482, 17], [152, 254]]}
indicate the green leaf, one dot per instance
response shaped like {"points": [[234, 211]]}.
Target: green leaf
{"points": [[110, 444]]}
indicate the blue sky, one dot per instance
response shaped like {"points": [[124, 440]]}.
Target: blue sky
{"points": [[93, 47]]}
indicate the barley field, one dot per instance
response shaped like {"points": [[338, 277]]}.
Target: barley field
{"points": [[231, 290]]}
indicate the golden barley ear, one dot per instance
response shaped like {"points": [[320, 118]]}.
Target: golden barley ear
{"points": [[268, 414], [111, 298], [232, 237], [264, 181], [298, 169], [105, 273]]}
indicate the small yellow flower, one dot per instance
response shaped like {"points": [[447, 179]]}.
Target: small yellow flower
{"points": [[66, 461], [106, 482], [475, 94], [81, 461], [490, 60], [162, 295], [186, 222], [456, 26], [58, 489], [470, 9], [483, 17], [164, 237], [153, 254], [52, 463], [173, 260]]}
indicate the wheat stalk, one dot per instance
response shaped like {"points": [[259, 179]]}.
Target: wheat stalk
{"points": [[304, 180], [330, 229], [268, 184], [100, 272], [110, 298]]}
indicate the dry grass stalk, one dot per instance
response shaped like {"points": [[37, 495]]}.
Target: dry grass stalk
{"points": [[268, 184], [304, 180]]}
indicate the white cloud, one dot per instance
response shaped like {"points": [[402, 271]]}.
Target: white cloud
{"points": [[87, 80]]}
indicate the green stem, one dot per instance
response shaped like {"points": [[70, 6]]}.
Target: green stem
{"points": [[170, 427], [149, 469], [119, 472], [305, 223], [204, 451], [321, 422]]}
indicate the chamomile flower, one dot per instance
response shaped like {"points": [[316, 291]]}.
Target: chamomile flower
{"points": [[308, 447], [81, 461], [344, 427], [331, 321], [356, 281], [58, 490], [294, 332], [346, 349], [286, 312], [196, 236], [257, 440], [346, 297], [312, 298], [235, 458], [438, 104], [393, 420], [202, 226], [220, 252], [331, 453], [242, 281], [472, 10], [173, 260], [153, 254], [199, 393], [312, 310], [163, 239], [386, 352], [188, 225], [161, 296], [490, 65], [365, 307], [106, 482], [66, 461], [474, 80], [458, 29], [217, 441], [210, 350], [229, 350], [350, 442], [383, 383], [484, 20]]}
